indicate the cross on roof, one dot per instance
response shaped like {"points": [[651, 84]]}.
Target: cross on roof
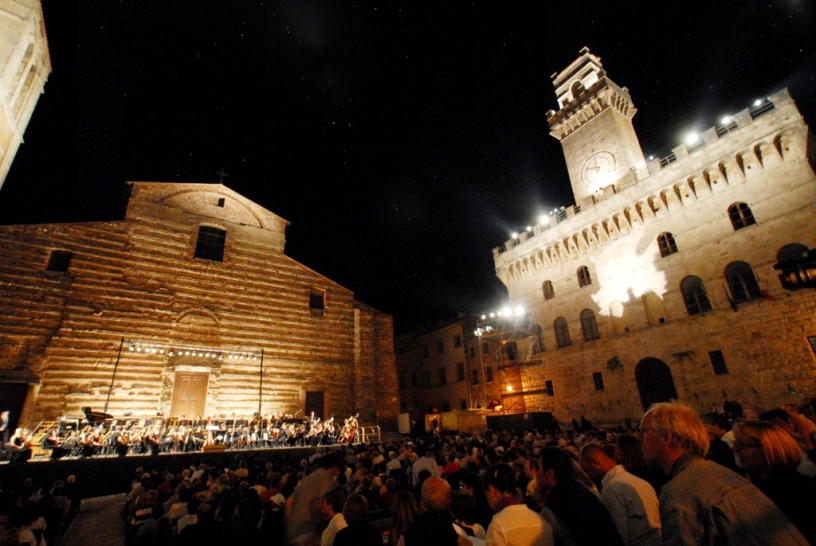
{"points": [[222, 174]]}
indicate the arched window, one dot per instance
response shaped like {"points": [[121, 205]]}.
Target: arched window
{"points": [[562, 332], [589, 325], [743, 283], [549, 293], [791, 252], [488, 375], [583, 276], [694, 295], [741, 216], [667, 245]]}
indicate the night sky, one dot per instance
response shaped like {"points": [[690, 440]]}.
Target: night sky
{"points": [[402, 140]]}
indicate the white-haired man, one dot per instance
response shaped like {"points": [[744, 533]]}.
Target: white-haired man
{"points": [[703, 502]]}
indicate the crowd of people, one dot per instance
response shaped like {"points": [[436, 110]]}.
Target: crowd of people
{"points": [[673, 480]]}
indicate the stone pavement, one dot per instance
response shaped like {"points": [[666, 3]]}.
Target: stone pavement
{"points": [[97, 523]]}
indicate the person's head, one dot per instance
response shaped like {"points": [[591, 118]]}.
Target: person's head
{"points": [[595, 461], [333, 501], [762, 446], [669, 431], [436, 494], [463, 507], [469, 483], [405, 510], [554, 466], [355, 508], [500, 483]]}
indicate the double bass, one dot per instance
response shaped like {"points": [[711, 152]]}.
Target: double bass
{"points": [[348, 431]]}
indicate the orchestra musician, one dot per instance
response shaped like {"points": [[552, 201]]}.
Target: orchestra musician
{"points": [[52, 442], [20, 446]]}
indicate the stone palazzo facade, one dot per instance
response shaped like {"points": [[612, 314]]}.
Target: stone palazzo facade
{"points": [[187, 307], [660, 282]]}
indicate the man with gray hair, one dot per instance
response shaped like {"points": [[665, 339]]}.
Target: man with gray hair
{"points": [[703, 502], [435, 526]]}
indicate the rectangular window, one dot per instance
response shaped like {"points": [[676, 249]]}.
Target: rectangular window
{"points": [[460, 372], [475, 377], [472, 352], [317, 302], [485, 348], [457, 342], [718, 362], [221, 201], [462, 404], [549, 387], [440, 347], [443, 375], [210, 243], [598, 378], [488, 375], [59, 260]]}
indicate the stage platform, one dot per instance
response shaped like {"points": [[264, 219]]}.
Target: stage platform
{"points": [[102, 476]]}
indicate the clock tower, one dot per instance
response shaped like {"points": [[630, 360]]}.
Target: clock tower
{"points": [[594, 125]]}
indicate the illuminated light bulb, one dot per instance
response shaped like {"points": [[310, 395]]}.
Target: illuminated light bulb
{"points": [[484, 317], [492, 315], [725, 120], [514, 235], [171, 353], [544, 220], [529, 228], [651, 158], [519, 310], [692, 138], [499, 313], [186, 353], [161, 351], [757, 102], [207, 355], [131, 348], [509, 388], [139, 349], [506, 311]]}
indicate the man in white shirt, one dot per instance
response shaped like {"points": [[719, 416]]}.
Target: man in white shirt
{"points": [[333, 501], [631, 501], [426, 462]]}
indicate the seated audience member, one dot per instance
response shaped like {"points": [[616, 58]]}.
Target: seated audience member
{"points": [[703, 502], [771, 456], [470, 484], [359, 532], [405, 509], [513, 523], [631, 502], [463, 508], [574, 508], [333, 501], [434, 527]]}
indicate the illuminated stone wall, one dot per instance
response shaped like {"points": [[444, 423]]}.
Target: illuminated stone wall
{"points": [[24, 68], [759, 159], [137, 280]]}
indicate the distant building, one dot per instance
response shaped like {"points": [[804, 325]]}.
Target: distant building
{"points": [[660, 282], [188, 306], [24, 68]]}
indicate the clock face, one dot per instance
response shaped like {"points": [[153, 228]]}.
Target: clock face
{"points": [[598, 168]]}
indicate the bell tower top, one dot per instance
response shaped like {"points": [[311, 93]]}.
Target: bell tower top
{"points": [[594, 125]]}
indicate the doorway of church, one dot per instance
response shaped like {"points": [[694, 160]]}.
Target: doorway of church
{"points": [[189, 394], [654, 381]]}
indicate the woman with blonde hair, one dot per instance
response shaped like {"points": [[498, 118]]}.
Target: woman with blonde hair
{"points": [[771, 455]]}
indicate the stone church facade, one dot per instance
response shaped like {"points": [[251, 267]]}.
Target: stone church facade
{"points": [[660, 282], [189, 306]]}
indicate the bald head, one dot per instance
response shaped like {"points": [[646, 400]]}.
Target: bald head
{"points": [[436, 494], [595, 461]]}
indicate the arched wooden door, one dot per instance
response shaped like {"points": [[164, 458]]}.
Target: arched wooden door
{"points": [[654, 381]]}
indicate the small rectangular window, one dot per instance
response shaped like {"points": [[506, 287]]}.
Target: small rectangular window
{"points": [[598, 378], [317, 302], [472, 352], [443, 375], [485, 348], [549, 387], [488, 375], [210, 243], [457, 342], [440, 347], [59, 260], [475, 376], [463, 404], [460, 371], [718, 362], [221, 202]]}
